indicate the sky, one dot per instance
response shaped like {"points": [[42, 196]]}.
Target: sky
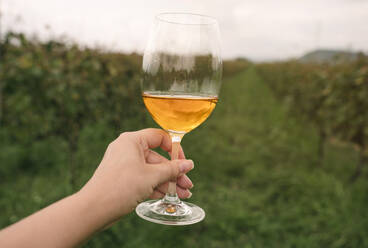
{"points": [[256, 29]]}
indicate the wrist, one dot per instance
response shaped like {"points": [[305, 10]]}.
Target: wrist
{"points": [[93, 208]]}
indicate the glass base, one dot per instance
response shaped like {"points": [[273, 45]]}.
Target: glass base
{"points": [[163, 212]]}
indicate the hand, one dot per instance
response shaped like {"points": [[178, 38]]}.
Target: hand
{"points": [[130, 172]]}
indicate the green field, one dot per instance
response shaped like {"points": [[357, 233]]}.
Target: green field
{"points": [[256, 175]]}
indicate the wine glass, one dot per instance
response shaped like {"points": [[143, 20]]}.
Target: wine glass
{"points": [[182, 70]]}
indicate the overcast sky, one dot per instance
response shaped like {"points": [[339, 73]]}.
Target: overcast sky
{"points": [[256, 29]]}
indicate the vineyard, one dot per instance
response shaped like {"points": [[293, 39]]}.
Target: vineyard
{"points": [[279, 163], [333, 98], [52, 92]]}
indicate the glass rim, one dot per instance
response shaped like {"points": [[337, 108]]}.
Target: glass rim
{"points": [[208, 20]]}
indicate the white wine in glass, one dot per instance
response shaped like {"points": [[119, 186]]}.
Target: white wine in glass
{"points": [[179, 113], [182, 70]]}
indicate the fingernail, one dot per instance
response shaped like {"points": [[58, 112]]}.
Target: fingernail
{"points": [[186, 165], [190, 195], [189, 182]]}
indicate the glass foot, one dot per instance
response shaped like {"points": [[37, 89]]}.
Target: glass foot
{"points": [[163, 212]]}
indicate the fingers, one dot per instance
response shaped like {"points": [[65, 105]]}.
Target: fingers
{"points": [[181, 153], [182, 192], [168, 170], [153, 137], [157, 195], [155, 158], [184, 182]]}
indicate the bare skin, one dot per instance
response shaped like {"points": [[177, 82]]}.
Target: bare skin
{"points": [[129, 173]]}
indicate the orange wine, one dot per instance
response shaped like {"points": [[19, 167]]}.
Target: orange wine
{"points": [[180, 113]]}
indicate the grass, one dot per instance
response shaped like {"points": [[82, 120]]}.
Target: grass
{"points": [[257, 177]]}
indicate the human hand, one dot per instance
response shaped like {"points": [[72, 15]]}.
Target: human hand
{"points": [[130, 172]]}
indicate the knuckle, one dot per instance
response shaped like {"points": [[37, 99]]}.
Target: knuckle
{"points": [[124, 135], [153, 129], [109, 147]]}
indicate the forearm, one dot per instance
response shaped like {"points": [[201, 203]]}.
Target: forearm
{"points": [[65, 223]]}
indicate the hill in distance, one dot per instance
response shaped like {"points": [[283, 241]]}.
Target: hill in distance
{"points": [[329, 56]]}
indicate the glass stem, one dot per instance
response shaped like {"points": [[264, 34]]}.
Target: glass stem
{"points": [[171, 196]]}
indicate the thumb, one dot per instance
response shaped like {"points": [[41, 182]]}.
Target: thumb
{"points": [[170, 170]]}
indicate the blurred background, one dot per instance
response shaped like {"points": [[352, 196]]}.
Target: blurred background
{"points": [[280, 163]]}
